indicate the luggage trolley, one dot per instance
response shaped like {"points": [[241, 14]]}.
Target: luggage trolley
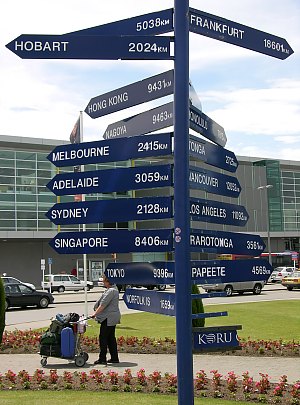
{"points": [[63, 339]]}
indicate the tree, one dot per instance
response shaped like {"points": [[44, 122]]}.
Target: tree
{"points": [[197, 308]]}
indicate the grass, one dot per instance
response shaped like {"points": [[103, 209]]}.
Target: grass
{"points": [[260, 320], [83, 397]]}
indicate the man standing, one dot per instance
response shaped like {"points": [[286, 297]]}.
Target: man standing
{"points": [[107, 313]]}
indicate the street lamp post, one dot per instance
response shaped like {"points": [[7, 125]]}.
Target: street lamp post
{"points": [[268, 223]]}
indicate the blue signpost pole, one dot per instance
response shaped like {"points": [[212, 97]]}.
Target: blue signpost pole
{"points": [[181, 204]]}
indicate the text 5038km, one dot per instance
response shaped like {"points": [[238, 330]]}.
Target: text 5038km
{"points": [[260, 270], [150, 209], [150, 241], [150, 177], [155, 145], [149, 24], [140, 47]]}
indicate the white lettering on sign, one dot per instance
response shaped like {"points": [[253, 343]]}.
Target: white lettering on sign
{"points": [[216, 26], [120, 273], [210, 241], [198, 120], [81, 242], [138, 300], [115, 132], [207, 211], [111, 101], [41, 46], [213, 271], [211, 338], [196, 147], [69, 213], [72, 183], [203, 178], [81, 153]]}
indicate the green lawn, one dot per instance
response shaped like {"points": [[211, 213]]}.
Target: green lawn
{"points": [[261, 320]]}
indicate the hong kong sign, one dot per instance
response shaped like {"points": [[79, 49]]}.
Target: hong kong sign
{"points": [[226, 242], [111, 240], [113, 150], [107, 181], [213, 182], [117, 210]]}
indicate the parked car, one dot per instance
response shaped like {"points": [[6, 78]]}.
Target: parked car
{"points": [[14, 280], [160, 287], [280, 272], [239, 287], [64, 282], [20, 295], [292, 281]]}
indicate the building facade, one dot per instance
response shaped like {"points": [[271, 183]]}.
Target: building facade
{"points": [[25, 231]]}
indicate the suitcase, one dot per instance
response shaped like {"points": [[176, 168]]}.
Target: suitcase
{"points": [[67, 343], [50, 350]]}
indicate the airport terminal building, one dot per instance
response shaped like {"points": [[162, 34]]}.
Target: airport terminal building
{"points": [[25, 231]]}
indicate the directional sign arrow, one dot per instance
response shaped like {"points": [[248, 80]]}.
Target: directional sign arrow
{"points": [[202, 272], [117, 210], [111, 150], [90, 47], [237, 34], [136, 93], [213, 182], [157, 302], [218, 212], [162, 117], [106, 181], [226, 242], [111, 241], [212, 154], [159, 22]]}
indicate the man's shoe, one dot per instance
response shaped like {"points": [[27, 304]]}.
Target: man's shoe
{"points": [[99, 362], [113, 361]]}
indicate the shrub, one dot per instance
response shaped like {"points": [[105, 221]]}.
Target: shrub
{"points": [[197, 308]]}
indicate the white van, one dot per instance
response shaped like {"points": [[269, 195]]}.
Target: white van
{"points": [[64, 282]]}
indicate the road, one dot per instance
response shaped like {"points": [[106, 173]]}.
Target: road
{"points": [[64, 303]]}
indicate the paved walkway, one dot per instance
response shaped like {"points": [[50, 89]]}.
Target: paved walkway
{"points": [[274, 367]]}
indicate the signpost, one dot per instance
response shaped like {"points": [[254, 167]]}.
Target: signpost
{"points": [[117, 210], [218, 212], [111, 150], [136, 93], [111, 241], [226, 242], [91, 47], [213, 182], [107, 181], [201, 272], [234, 33], [212, 154]]}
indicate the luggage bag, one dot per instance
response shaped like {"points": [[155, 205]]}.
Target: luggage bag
{"points": [[67, 343]]}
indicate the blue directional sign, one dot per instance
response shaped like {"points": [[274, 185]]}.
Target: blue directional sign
{"points": [[218, 212], [117, 210], [113, 150], [159, 22], [90, 47], [215, 338], [226, 242], [234, 33], [143, 123], [201, 123], [213, 182], [202, 272], [136, 93], [106, 181], [157, 302], [212, 154], [111, 240]]}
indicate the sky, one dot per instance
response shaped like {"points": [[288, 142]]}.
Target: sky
{"points": [[254, 97]]}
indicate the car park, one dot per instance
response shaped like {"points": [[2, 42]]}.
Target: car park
{"points": [[280, 272], [240, 287], [292, 281], [7, 279], [64, 282], [20, 295]]}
